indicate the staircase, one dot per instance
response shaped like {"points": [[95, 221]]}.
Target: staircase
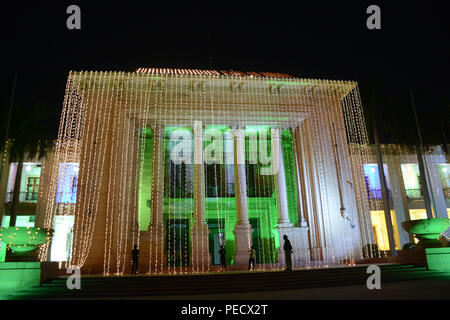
{"points": [[115, 287]]}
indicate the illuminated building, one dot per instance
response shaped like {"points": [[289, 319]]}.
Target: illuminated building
{"points": [[213, 136]]}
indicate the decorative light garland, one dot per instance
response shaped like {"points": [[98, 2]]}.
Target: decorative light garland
{"points": [[108, 107]]}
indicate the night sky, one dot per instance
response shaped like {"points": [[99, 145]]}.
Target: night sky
{"points": [[314, 39]]}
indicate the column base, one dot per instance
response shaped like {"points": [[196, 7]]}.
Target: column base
{"points": [[316, 254], [298, 236], [243, 233], [151, 250], [201, 259]]}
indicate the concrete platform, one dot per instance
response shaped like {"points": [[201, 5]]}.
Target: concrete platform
{"points": [[16, 276]]}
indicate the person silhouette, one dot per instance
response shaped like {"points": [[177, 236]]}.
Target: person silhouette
{"points": [[135, 259], [287, 253], [251, 258], [223, 262]]}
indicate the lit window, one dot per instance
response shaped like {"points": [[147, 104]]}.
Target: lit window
{"points": [[61, 249], [411, 179], [67, 183], [373, 183]]}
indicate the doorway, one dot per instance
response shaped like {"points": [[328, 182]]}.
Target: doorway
{"points": [[216, 238]]}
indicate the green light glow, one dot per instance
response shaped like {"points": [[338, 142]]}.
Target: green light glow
{"points": [[2, 251], [25, 239], [427, 231], [438, 259], [262, 211], [15, 276]]}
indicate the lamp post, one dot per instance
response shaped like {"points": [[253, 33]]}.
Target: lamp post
{"points": [[384, 192], [423, 168], [8, 123]]}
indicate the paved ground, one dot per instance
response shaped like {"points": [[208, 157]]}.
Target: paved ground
{"points": [[430, 289]]}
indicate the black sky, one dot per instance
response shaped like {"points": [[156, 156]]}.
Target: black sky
{"points": [[316, 39]]}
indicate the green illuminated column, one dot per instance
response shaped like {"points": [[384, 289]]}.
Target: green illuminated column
{"points": [[229, 160], [243, 230], [200, 251]]}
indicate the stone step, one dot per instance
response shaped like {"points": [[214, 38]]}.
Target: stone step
{"points": [[130, 286]]}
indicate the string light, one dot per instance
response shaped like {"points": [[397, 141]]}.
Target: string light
{"points": [[102, 112]]}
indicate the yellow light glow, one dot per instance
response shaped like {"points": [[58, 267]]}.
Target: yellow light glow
{"points": [[380, 229], [417, 214]]}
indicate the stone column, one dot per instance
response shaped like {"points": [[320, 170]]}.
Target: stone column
{"points": [[299, 178], [152, 241], [312, 206], [399, 198], [303, 228], [277, 153], [229, 161], [243, 230], [201, 258], [433, 160], [297, 236], [4, 184]]}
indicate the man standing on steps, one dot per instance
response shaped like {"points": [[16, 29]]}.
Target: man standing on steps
{"points": [[135, 259], [223, 262], [251, 259], [287, 253]]}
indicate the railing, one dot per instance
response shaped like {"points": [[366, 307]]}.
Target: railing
{"points": [[260, 192], [375, 194], [178, 193], [223, 191], [23, 197], [414, 193], [66, 197]]}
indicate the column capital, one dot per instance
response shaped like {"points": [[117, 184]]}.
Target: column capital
{"points": [[281, 185], [275, 133], [237, 126], [228, 134], [239, 133], [197, 128]]}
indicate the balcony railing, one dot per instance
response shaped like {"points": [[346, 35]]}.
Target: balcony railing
{"points": [[414, 193], [375, 194], [23, 197], [66, 197], [224, 191]]}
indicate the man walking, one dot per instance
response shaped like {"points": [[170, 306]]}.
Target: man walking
{"points": [[287, 253], [223, 261], [135, 259]]}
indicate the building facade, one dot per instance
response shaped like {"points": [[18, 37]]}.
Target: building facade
{"points": [[180, 162], [406, 191]]}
